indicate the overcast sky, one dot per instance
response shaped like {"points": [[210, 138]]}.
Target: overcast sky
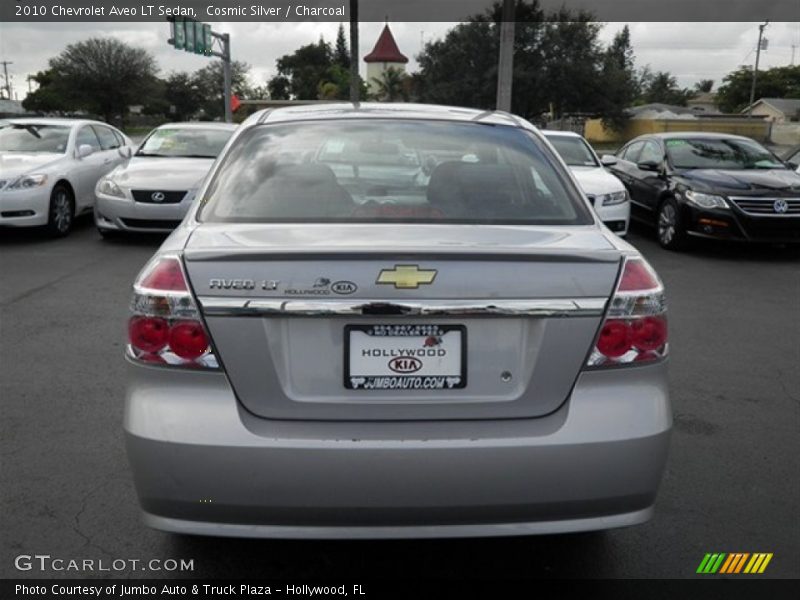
{"points": [[690, 51]]}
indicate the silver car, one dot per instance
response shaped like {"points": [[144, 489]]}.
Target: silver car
{"points": [[367, 352], [49, 168], [153, 190]]}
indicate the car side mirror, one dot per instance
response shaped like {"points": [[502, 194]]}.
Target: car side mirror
{"points": [[608, 160], [125, 151], [84, 150], [649, 165]]}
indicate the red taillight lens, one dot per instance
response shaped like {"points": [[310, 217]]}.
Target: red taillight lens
{"points": [[166, 328], [637, 276], [165, 276], [615, 339], [148, 334], [635, 327], [188, 339], [649, 333]]}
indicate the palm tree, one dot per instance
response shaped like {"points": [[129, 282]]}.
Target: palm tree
{"points": [[391, 86]]}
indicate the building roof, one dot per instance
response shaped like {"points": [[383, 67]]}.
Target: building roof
{"points": [[386, 49], [703, 98], [788, 106]]}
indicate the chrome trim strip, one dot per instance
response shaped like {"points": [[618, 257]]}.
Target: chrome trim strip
{"points": [[766, 203], [214, 306]]}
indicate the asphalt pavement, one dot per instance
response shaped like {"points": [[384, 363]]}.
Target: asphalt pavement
{"points": [[731, 484]]}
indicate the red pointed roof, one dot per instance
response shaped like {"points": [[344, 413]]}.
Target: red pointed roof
{"points": [[386, 49]]}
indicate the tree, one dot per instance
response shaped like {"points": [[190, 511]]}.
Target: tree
{"points": [[51, 94], [620, 82], [209, 83], [182, 96], [663, 88], [99, 75], [557, 60], [704, 86], [779, 82], [341, 53], [391, 86]]}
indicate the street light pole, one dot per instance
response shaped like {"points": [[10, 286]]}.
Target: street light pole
{"points": [[505, 67], [5, 64], [226, 75], [755, 70], [355, 82]]}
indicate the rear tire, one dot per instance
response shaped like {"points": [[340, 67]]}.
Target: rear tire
{"points": [[669, 226], [61, 214]]}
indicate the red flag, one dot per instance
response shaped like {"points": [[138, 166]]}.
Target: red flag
{"points": [[235, 102]]}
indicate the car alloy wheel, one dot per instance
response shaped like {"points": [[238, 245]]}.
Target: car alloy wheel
{"points": [[667, 223], [61, 212]]}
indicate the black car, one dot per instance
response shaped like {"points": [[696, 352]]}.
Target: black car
{"points": [[710, 185]]}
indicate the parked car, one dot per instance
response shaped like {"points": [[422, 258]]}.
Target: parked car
{"points": [[153, 190], [606, 193], [366, 355], [793, 158], [710, 185], [49, 168]]}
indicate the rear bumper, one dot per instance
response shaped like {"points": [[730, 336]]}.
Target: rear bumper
{"points": [[203, 465]]}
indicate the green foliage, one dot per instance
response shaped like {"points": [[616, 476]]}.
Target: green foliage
{"points": [[621, 84], [393, 85], [99, 75], [313, 72], [662, 87], [341, 53], [704, 86], [208, 82], [779, 82]]}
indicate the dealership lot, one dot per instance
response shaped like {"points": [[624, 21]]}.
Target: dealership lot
{"points": [[731, 484]]}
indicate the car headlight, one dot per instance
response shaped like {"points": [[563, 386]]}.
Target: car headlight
{"points": [[28, 181], [705, 200], [109, 188], [612, 198]]}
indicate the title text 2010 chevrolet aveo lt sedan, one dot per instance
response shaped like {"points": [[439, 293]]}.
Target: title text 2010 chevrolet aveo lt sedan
{"points": [[395, 321]]}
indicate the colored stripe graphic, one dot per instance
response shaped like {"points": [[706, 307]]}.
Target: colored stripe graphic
{"points": [[734, 563]]}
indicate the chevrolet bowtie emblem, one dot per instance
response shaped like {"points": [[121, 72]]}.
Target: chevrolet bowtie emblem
{"points": [[406, 277]]}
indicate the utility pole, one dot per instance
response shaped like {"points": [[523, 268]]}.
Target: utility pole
{"points": [[5, 64], [355, 81], [505, 67], [225, 38], [755, 70]]}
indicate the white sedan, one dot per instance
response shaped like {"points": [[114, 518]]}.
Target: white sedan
{"points": [[153, 190], [49, 168], [606, 193]]}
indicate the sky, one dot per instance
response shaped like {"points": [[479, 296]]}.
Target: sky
{"points": [[690, 51]]}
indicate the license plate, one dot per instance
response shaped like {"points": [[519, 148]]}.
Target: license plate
{"points": [[405, 357]]}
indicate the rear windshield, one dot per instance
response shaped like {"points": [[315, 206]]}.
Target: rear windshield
{"points": [[401, 171], [723, 153]]}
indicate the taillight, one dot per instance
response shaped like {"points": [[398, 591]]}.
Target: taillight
{"points": [[166, 328], [635, 328]]}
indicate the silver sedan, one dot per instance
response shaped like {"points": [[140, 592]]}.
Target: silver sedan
{"points": [[342, 348], [154, 188]]}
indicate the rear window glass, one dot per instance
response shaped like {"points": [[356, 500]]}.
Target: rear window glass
{"points": [[396, 171]]}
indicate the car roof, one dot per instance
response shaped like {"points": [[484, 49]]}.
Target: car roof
{"points": [[54, 121], [553, 133], [385, 110], [199, 125], [681, 135]]}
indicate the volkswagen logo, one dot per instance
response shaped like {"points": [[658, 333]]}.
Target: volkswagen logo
{"points": [[780, 206], [157, 196]]}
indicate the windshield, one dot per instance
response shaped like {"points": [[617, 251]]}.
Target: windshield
{"points": [[574, 150], [34, 137], [723, 153], [186, 143], [395, 171]]}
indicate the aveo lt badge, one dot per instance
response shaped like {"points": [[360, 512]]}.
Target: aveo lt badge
{"points": [[406, 277]]}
